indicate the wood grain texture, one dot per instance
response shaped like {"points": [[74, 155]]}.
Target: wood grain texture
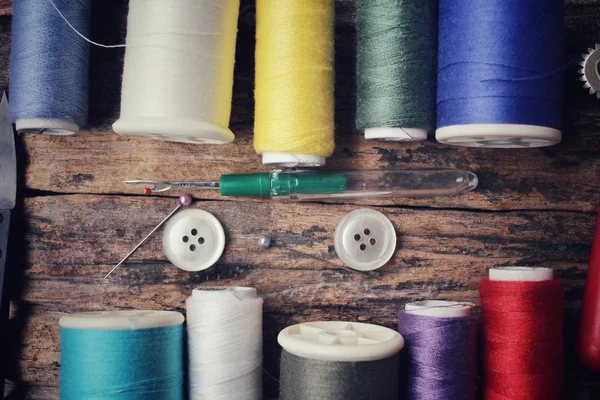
{"points": [[71, 241], [75, 219], [564, 177]]}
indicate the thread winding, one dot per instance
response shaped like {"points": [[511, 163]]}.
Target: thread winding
{"points": [[500, 62], [49, 66], [225, 344], [523, 339], [339, 360], [294, 79], [442, 356], [178, 73], [308, 379], [396, 66], [127, 363]]}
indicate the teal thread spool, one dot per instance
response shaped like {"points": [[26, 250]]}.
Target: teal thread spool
{"points": [[396, 69], [122, 355]]}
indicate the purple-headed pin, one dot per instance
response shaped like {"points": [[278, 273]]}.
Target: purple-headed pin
{"points": [[185, 200]]}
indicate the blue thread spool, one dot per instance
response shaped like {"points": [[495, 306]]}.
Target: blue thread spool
{"points": [[49, 66], [500, 73], [132, 355]]}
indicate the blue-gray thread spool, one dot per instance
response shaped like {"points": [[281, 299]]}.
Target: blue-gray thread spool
{"points": [[396, 68], [339, 361], [49, 66]]}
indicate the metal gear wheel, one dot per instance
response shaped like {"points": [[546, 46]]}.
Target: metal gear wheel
{"points": [[589, 70]]}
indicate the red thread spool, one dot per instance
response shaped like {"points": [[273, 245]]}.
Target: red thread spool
{"points": [[588, 343], [523, 316]]}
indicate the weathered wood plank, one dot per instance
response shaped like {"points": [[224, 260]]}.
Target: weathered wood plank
{"points": [[562, 177], [528, 179], [69, 242]]}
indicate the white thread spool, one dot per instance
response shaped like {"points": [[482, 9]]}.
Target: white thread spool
{"points": [[225, 344], [178, 74], [521, 274]]}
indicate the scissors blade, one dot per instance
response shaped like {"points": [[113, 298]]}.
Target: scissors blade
{"points": [[8, 160]]}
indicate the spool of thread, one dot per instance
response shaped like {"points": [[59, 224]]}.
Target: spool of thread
{"points": [[225, 344], [339, 361], [588, 343], [523, 334], [49, 66], [441, 341], [294, 124], [500, 73], [178, 74], [396, 69], [132, 355]]}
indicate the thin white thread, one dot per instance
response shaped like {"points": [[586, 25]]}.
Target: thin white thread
{"points": [[225, 344], [81, 35]]}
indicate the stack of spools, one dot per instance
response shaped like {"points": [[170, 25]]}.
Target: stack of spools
{"points": [[294, 121], [138, 355], [500, 73], [339, 361], [49, 66]]}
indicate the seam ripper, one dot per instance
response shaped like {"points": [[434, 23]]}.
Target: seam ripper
{"points": [[309, 185]]}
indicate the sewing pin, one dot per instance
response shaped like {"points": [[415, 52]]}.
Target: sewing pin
{"points": [[184, 201], [265, 242]]}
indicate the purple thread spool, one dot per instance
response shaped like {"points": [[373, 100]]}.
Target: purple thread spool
{"points": [[441, 342]]}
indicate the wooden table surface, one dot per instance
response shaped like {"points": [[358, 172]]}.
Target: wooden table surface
{"points": [[74, 219]]}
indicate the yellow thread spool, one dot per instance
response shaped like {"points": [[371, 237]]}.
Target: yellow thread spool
{"points": [[294, 121]]}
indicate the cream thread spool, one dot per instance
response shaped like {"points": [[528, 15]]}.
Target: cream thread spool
{"points": [[178, 74]]}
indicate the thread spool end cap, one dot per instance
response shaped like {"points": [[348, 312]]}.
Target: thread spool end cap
{"points": [[289, 160], [340, 341], [174, 130], [528, 274], [394, 134], [498, 136], [440, 308], [56, 127]]}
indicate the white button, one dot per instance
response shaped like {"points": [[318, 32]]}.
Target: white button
{"points": [[365, 239], [193, 239]]}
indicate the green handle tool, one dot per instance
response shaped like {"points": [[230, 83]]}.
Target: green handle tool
{"points": [[322, 185]]}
